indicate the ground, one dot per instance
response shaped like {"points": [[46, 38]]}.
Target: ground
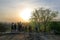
{"points": [[25, 36]]}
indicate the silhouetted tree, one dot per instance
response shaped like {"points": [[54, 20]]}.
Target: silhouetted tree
{"points": [[43, 17]]}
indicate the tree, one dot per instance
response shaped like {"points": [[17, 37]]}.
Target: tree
{"points": [[43, 17]]}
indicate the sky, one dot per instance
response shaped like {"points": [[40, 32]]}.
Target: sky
{"points": [[9, 9]]}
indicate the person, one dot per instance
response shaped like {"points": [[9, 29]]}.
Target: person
{"points": [[31, 35], [19, 27], [12, 27], [37, 35], [36, 28], [30, 29]]}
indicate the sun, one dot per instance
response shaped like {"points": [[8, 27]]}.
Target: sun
{"points": [[25, 14]]}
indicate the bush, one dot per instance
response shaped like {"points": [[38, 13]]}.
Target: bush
{"points": [[56, 27], [2, 27]]}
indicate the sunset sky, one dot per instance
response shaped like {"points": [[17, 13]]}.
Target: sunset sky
{"points": [[10, 10]]}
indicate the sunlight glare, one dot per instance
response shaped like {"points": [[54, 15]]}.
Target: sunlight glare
{"points": [[26, 14]]}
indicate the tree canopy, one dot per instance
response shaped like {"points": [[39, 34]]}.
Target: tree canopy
{"points": [[43, 17]]}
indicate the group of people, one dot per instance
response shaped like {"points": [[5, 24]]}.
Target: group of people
{"points": [[16, 27], [19, 27]]}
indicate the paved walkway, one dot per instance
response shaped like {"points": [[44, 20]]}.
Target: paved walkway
{"points": [[26, 36]]}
